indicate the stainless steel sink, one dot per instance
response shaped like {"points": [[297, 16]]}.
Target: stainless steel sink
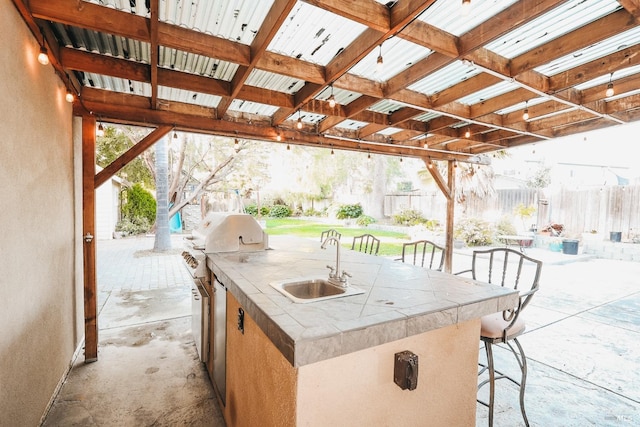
{"points": [[312, 289]]}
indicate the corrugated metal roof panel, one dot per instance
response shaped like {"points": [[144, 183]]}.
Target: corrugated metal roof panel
{"points": [[595, 51], [522, 105], [132, 6], [386, 106], [106, 44], [277, 82], [488, 93], [188, 97], [343, 97], [252, 107], [561, 20], [605, 78], [448, 76], [389, 131], [306, 117], [351, 124], [427, 116], [450, 16], [314, 35], [196, 64], [397, 54], [117, 85], [237, 20]]}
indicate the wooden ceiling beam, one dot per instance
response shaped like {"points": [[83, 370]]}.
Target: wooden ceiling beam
{"points": [[470, 85], [590, 34], [366, 12], [619, 60], [417, 71], [632, 6], [275, 17], [91, 16], [426, 35], [509, 19]]}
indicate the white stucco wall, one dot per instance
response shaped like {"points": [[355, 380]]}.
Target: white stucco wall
{"points": [[40, 294]]}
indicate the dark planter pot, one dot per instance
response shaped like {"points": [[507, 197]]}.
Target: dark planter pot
{"points": [[615, 236], [570, 246]]}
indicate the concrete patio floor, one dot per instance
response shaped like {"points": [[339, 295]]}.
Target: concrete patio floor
{"points": [[581, 344]]}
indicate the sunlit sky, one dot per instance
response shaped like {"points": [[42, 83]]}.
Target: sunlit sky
{"points": [[614, 146]]}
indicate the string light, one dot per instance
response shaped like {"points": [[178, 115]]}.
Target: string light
{"points": [[331, 150], [429, 164], [69, 97], [610, 92], [43, 58], [236, 141], [369, 155], [379, 61], [525, 113], [278, 137], [100, 131], [288, 147], [332, 99], [299, 124], [467, 134], [175, 134]]}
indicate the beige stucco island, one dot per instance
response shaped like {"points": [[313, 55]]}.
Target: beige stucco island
{"points": [[332, 362]]}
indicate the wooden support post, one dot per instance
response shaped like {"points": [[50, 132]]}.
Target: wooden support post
{"points": [[88, 238], [451, 204]]}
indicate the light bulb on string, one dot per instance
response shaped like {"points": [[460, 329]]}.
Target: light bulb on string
{"points": [[69, 97], [332, 99], [100, 131], [288, 147], [379, 61], [278, 137], [43, 57], [467, 134], [610, 91], [299, 123], [525, 113]]}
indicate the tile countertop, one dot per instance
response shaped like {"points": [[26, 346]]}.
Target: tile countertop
{"points": [[400, 300]]}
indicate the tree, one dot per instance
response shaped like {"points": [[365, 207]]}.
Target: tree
{"points": [[117, 140], [162, 240]]}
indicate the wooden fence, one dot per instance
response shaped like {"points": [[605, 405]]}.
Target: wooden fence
{"points": [[606, 209]]}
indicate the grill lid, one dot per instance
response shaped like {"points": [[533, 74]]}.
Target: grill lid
{"points": [[230, 232]]}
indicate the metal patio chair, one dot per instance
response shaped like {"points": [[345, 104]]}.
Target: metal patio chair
{"points": [[508, 268], [330, 233], [423, 253], [366, 243]]}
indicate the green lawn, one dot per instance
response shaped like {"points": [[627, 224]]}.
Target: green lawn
{"points": [[390, 245]]}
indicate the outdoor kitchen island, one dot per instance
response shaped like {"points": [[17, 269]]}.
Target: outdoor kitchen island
{"points": [[332, 362]]}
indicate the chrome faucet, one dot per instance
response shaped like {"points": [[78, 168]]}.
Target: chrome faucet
{"points": [[335, 277]]}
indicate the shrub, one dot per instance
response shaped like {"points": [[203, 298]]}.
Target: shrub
{"points": [[364, 220], [140, 204], [505, 227], [311, 212], [251, 210], [265, 210], [349, 211], [280, 211], [133, 226], [409, 217], [474, 232]]}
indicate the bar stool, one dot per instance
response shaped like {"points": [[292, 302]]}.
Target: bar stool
{"points": [[366, 243], [421, 251], [513, 269]]}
